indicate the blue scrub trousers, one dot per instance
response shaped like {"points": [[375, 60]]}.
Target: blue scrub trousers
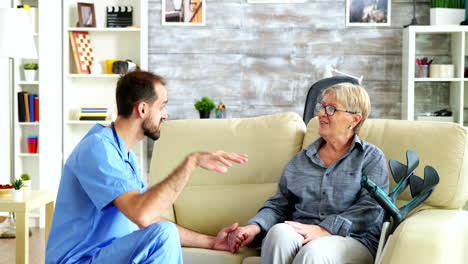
{"points": [[157, 243]]}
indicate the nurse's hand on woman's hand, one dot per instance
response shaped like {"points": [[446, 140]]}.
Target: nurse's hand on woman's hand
{"points": [[221, 240], [309, 232], [242, 237], [218, 160]]}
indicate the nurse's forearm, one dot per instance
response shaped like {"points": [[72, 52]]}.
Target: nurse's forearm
{"points": [[189, 238], [161, 196], [145, 208]]}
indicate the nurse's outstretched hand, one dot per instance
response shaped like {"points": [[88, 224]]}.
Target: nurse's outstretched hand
{"points": [[218, 160]]}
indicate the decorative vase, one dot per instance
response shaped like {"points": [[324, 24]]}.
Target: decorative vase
{"points": [[446, 16], [204, 114], [17, 195], [30, 75]]}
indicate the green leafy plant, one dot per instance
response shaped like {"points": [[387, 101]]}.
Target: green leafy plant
{"points": [[30, 66], [17, 184], [205, 104], [448, 4], [25, 177]]}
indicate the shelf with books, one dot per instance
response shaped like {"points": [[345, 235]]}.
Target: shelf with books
{"points": [[91, 86], [44, 167], [27, 106]]}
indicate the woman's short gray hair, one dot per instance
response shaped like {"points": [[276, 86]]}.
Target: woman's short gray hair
{"points": [[353, 97]]}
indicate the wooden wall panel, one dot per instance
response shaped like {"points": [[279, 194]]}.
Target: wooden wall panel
{"points": [[262, 58]]}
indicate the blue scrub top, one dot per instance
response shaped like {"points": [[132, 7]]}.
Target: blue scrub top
{"points": [[85, 219]]}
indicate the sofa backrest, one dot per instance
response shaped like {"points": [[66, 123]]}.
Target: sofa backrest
{"points": [[441, 145], [212, 200]]}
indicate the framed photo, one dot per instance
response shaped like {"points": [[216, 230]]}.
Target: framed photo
{"points": [[183, 12], [86, 16], [368, 12]]}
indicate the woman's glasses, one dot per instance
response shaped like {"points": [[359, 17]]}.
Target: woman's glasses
{"points": [[330, 109]]}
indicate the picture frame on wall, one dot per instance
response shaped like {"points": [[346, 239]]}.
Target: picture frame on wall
{"points": [[86, 15], [183, 12], [368, 12]]}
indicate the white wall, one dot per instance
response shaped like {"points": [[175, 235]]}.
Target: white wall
{"points": [[5, 121], [4, 118]]}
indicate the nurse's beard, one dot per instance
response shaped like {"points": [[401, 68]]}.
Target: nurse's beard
{"points": [[150, 129]]}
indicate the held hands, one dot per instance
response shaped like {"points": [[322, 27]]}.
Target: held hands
{"points": [[242, 237], [218, 160], [221, 240], [309, 232]]}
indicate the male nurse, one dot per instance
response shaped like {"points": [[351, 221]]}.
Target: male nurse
{"points": [[104, 213]]}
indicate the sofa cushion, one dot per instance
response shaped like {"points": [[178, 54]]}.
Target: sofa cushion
{"points": [[252, 260], [442, 145], [204, 256], [270, 142], [208, 209], [430, 236]]}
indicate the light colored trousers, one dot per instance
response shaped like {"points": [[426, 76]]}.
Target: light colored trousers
{"points": [[283, 245]]}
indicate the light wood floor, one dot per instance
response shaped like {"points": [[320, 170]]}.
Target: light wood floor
{"points": [[36, 248]]}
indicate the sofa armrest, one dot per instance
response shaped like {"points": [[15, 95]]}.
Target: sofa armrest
{"points": [[430, 236]]}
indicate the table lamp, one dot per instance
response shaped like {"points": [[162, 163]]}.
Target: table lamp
{"points": [[16, 41]]}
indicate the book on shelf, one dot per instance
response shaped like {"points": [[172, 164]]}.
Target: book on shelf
{"points": [[31, 107], [28, 107], [21, 108], [26, 104], [36, 108], [93, 118], [95, 113]]}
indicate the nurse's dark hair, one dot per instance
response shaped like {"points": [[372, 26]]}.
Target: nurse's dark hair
{"points": [[134, 87]]}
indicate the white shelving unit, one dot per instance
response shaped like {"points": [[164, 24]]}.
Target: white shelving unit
{"points": [[45, 166], [449, 47], [99, 89]]}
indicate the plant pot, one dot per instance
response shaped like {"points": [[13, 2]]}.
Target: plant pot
{"points": [[447, 16], [27, 183], [30, 75], [17, 195], [204, 114]]}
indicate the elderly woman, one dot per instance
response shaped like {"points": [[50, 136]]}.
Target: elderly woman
{"points": [[320, 213]]}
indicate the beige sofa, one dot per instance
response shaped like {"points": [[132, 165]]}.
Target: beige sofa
{"points": [[437, 233]]}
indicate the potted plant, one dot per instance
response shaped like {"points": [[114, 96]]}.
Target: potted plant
{"points": [[30, 71], [17, 192], [204, 107], [447, 12], [26, 179]]}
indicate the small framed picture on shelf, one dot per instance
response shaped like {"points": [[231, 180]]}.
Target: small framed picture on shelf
{"points": [[86, 15], [183, 12], [368, 13], [83, 51]]}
